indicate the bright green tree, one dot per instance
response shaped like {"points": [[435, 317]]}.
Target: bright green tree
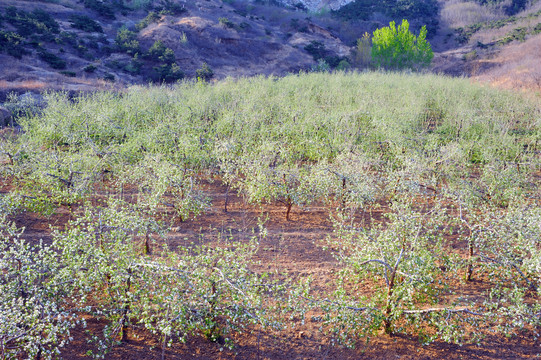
{"points": [[397, 48]]}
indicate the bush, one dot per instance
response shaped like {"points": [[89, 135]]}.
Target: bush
{"points": [[152, 17], [69, 73], [90, 68], [363, 51], [53, 60], [321, 66], [171, 7], [134, 67], [160, 53], [36, 22], [109, 77], [126, 41], [11, 44], [516, 6], [83, 22], [167, 73], [205, 73], [226, 22], [104, 9], [35, 319], [316, 49], [397, 48], [343, 65], [423, 11], [318, 52]]}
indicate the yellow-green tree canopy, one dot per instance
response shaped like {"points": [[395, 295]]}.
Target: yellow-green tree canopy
{"points": [[397, 48]]}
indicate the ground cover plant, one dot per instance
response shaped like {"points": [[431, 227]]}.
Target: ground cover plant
{"points": [[429, 186]]}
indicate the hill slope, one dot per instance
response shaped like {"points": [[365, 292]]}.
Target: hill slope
{"points": [[82, 45]]}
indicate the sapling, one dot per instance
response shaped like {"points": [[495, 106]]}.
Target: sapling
{"points": [[35, 316], [408, 267]]}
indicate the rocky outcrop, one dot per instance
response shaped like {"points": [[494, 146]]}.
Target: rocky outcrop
{"points": [[315, 5]]}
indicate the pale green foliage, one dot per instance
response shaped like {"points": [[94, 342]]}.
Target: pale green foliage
{"points": [[162, 182], [404, 259], [346, 179], [356, 145], [33, 312], [397, 48], [198, 290], [270, 179], [363, 51], [321, 66], [505, 243], [101, 252], [210, 291]]}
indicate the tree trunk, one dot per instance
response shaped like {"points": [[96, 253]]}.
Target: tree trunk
{"points": [[469, 270], [289, 205], [226, 198]]}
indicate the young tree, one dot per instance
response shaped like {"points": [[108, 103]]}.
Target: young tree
{"points": [[397, 48], [363, 51], [35, 321]]}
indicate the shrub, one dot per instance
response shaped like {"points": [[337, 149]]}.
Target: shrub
{"points": [[205, 73], [518, 34], [343, 65], [53, 60], [318, 52], [321, 66], [83, 22], [42, 18], [424, 11], [35, 319], [109, 77], [36, 22], [152, 17], [134, 67], [516, 6], [159, 52], [226, 22], [90, 68], [316, 49], [397, 48], [11, 44], [363, 51], [67, 38], [104, 9], [167, 73], [171, 7], [126, 41], [69, 73]]}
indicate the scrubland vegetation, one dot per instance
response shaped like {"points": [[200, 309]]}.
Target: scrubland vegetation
{"points": [[431, 184]]}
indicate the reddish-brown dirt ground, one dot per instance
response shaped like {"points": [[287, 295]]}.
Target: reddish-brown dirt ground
{"points": [[294, 246]]}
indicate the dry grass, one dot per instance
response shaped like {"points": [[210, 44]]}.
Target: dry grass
{"points": [[516, 66], [24, 84], [459, 13]]}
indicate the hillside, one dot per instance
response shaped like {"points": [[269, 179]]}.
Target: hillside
{"points": [[79, 45], [495, 42]]}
